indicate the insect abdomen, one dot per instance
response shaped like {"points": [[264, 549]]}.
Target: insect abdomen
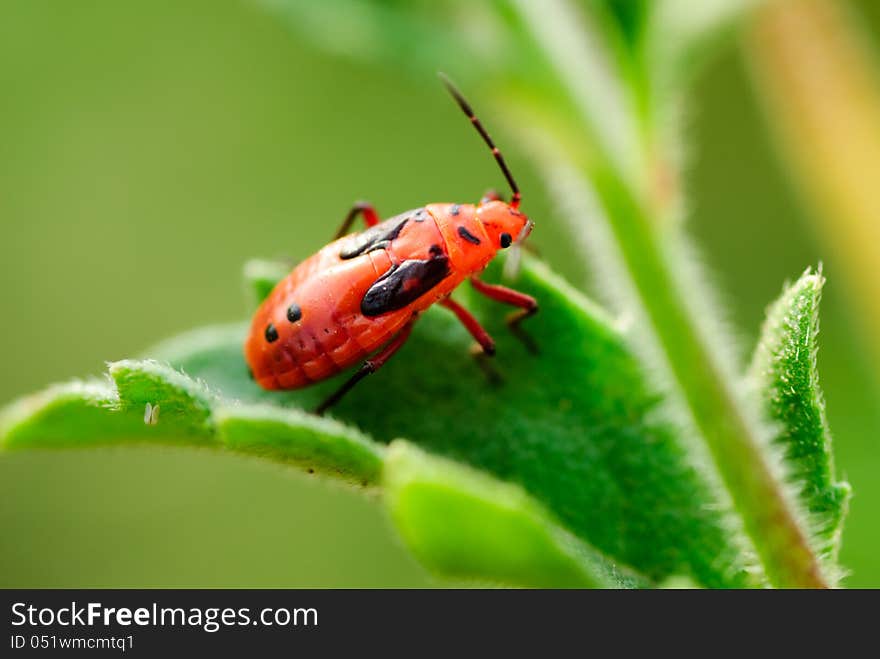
{"points": [[310, 327]]}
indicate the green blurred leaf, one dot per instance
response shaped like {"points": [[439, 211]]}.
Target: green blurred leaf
{"points": [[575, 426], [784, 367], [414, 35], [260, 277], [630, 15], [464, 524], [682, 35]]}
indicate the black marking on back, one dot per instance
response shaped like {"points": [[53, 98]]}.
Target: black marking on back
{"points": [[377, 237], [271, 333], [294, 313], [467, 235], [404, 284]]}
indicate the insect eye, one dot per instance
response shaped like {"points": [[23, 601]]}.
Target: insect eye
{"points": [[505, 240]]}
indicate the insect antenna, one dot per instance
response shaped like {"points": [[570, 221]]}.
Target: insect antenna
{"points": [[466, 108]]}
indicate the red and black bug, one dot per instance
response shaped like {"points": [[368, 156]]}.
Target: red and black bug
{"points": [[362, 293]]}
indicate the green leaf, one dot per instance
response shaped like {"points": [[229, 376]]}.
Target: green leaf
{"points": [[309, 442], [114, 411], [184, 405], [784, 369], [464, 524], [575, 425], [75, 414], [604, 470]]}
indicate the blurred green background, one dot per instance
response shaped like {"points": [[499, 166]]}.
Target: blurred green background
{"points": [[147, 149]]}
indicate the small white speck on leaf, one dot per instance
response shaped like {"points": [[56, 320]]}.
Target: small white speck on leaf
{"points": [[151, 414]]}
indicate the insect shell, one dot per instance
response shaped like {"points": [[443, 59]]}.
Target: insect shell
{"points": [[355, 294], [362, 293]]}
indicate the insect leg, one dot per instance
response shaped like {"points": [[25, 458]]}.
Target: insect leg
{"points": [[472, 325], [370, 366], [371, 217], [485, 346], [528, 306]]}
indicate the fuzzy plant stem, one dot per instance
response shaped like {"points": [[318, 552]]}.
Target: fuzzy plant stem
{"points": [[733, 437], [695, 361]]}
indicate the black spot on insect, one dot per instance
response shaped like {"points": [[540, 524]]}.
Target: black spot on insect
{"points": [[435, 250], [294, 313], [377, 237], [326, 331], [271, 333], [455, 210], [403, 284], [505, 240], [467, 235]]}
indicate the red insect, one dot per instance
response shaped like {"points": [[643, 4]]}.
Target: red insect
{"points": [[363, 292]]}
